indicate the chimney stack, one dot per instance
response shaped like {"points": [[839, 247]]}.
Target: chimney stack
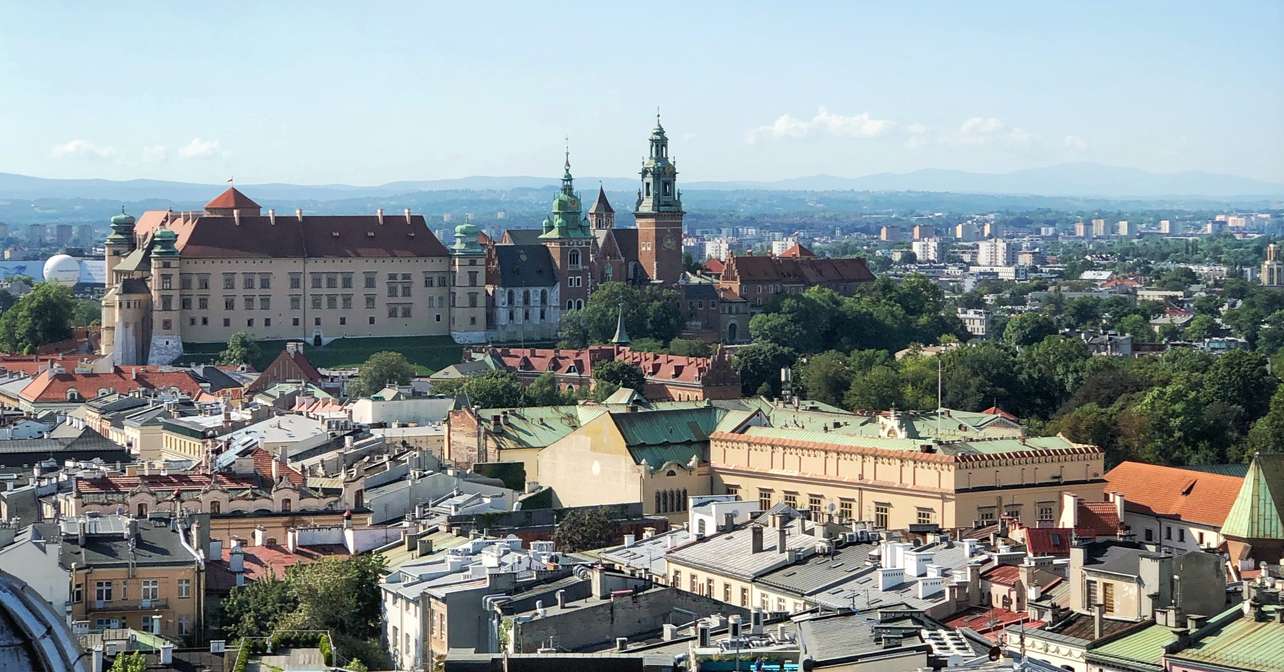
{"points": [[561, 599], [407, 215], [728, 521], [781, 535], [379, 216], [1098, 627], [272, 216], [298, 214], [755, 536]]}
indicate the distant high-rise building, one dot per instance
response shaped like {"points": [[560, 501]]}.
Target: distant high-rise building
{"points": [[994, 252], [1081, 229], [1098, 228], [63, 233], [927, 250], [889, 234], [36, 234], [966, 231], [1272, 268], [718, 248], [1126, 229], [778, 247], [922, 232], [992, 230]]}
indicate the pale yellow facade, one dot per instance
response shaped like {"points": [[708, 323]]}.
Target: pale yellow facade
{"points": [[895, 489], [136, 596], [731, 590]]}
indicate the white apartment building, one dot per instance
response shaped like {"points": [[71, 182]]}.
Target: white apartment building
{"points": [[978, 322], [995, 252], [927, 250], [719, 248]]}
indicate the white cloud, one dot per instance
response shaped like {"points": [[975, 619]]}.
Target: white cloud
{"points": [[979, 130], [1075, 143], [823, 123], [199, 148], [155, 153], [82, 148]]}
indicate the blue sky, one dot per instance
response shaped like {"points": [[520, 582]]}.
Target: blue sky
{"points": [[366, 93]]}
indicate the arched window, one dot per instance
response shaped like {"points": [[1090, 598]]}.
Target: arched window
{"points": [[142, 510], [526, 297], [570, 305], [731, 332], [579, 304], [658, 503], [682, 505], [573, 258], [216, 508], [543, 297], [510, 297], [285, 505]]}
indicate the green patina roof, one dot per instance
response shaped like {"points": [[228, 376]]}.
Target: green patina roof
{"points": [[132, 261], [163, 243], [1144, 647], [533, 427], [1257, 511], [667, 436], [978, 447], [1241, 644]]}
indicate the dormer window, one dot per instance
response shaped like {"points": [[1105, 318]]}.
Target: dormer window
{"points": [[73, 395]]}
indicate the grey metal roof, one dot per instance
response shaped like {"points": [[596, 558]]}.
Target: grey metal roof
{"points": [[1116, 557], [648, 554], [525, 266], [156, 544], [826, 637], [729, 553], [523, 236], [821, 571]]}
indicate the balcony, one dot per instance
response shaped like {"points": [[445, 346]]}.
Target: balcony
{"points": [[127, 605]]}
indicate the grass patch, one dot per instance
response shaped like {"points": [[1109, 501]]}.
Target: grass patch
{"points": [[426, 353]]}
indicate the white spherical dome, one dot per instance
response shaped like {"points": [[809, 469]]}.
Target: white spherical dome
{"points": [[62, 269]]}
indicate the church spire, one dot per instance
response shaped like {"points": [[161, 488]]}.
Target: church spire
{"points": [[568, 182], [621, 336]]}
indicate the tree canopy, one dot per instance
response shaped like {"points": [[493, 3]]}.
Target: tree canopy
{"points": [[649, 313], [379, 371], [43, 315], [241, 349], [585, 529]]}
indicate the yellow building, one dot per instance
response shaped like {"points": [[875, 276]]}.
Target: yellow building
{"points": [[893, 482], [134, 573]]}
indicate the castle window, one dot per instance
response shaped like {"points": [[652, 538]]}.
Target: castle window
{"points": [[294, 322], [392, 310], [185, 281], [316, 302], [392, 291], [205, 321], [510, 315], [296, 281], [371, 319], [472, 299], [370, 301], [185, 302], [346, 302], [526, 297], [227, 322], [541, 315], [296, 302], [316, 321], [427, 280], [331, 301], [648, 189], [316, 281], [229, 281], [247, 281], [570, 305], [167, 324], [370, 280], [579, 304], [346, 280], [202, 281], [573, 258], [73, 395], [405, 310], [167, 302], [267, 321], [265, 281], [342, 321], [265, 302], [511, 301], [249, 302], [249, 322], [472, 278], [543, 297]]}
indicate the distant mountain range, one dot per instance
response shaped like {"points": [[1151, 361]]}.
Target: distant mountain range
{"points": [[1065, 180]]}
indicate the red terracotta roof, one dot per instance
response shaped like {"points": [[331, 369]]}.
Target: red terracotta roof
{"points": [[984, 620], [1097, 519], [797, 250], [232, 199], [52, 387], [159, 482], [995, 410], [1184, 494], [31, 364], [286, 236], [714, 266], [657, 367], [263, 467], [1043, 541], [272, 560], [811, 270]]}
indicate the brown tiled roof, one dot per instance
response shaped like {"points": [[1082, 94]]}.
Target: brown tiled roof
{"points": [[159, 482], [749, 268], [600, 204], [263, 467], [232, 199], [1042, 541], [1192, 496], [286, 367], [714, 266], [656, 367], [286, 236]]}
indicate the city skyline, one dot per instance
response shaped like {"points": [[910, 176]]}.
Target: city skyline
{"points": [[277, 94]]}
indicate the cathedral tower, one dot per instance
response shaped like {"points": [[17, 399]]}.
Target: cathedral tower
{"points": [[468, 287], [659, 213], [570, 242]]}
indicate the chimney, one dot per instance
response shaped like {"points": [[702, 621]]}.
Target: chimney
{"points": [[539, 608], [272, 216], [670, 632], [781, 535], [97, 659], [621, 643], [702, 635], [561, 599], [379, 216], [728, 521], [408, 216], [648, 532], [1098, 613], [1119, 505], [260, 535], [216, 549], [131, 528], [292, 540], [236, 217], [81, 526], [755, 539], [236, 560], [629, 539], [756, 621], [298, 214]]}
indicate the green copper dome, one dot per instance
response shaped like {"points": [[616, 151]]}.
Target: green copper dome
{"points": [[163, 244], [122, 228], [466, 239], [122, 219], [566, 219]]}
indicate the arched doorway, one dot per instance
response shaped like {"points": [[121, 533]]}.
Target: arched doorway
{"points": [[732, 330], [316, 340]]}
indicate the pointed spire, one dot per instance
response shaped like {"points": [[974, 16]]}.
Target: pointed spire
{"points": [[568, 182], [621, 336]]}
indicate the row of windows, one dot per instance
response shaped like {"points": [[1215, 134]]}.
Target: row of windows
{"points": [[326, 280], [526, 297], [149, 590], [395, 310], [264, 302], [670, 501]]}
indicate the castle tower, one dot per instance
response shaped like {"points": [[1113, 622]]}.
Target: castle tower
{"points": [[120, 242], [166, 341], [569, 241], [659, 213], [601, 215], [468, 289]]}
